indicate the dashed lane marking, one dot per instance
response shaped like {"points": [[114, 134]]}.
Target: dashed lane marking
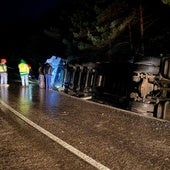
{"points": [[67, 146]]}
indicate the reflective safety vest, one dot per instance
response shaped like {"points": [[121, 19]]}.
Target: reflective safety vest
{"points": [[3, 68], [23, 69]]}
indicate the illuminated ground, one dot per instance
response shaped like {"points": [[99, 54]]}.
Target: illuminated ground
{"points": [[117, 139]]}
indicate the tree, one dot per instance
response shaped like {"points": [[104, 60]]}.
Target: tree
{"points": [[166, 2], [99, 27]]}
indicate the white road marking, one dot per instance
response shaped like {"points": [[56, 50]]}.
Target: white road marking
{"points": [[72, 149]]}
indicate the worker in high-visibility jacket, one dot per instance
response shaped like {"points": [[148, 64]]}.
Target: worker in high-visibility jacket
{"points": [[3, 73], [24, 72]]}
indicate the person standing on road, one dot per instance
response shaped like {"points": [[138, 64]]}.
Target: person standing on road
{"points": [[48, 75], [24, 72], [3, 73], [41, 76]]}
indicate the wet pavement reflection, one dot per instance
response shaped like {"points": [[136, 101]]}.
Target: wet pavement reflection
{"points": [[116, 138], [26, 99], [4, 93]]}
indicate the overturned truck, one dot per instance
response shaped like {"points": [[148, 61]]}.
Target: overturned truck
{"points": [[151, 92], [142, 85]]}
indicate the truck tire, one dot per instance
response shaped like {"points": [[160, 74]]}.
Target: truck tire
{"points": [[159, 111], [140, 107], [154, 61], [138, 68], [166, 112]]}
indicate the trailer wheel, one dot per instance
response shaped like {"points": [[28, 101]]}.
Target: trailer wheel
{"points": [[141, 107], [166, 112], [146, 69], [154, 61], [159, 111]]}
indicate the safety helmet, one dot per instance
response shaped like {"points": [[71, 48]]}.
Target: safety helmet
{"points": [[3, 60], [22, 61]]}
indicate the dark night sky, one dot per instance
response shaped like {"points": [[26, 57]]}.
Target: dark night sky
{"points": [[21, 30], [22, 23], [15, 10]]}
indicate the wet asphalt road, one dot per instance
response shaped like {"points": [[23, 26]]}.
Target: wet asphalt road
{"points": [[112, 137]]}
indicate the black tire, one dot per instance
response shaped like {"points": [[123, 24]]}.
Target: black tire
{"points": [[154, 61], [146, 69], [141, 107], [159, 111], [166, 112], [166, 70]]}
